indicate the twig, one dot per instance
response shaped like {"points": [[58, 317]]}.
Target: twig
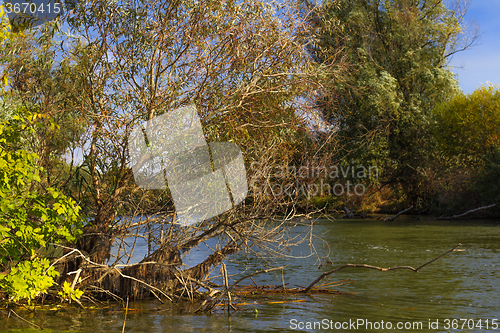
{"points": [[322, 276], [467, 212], [184, 284], [72, 251], [390, 219], [203, 285], [256, 286], [125, 320], [226, 285], [64, 256]]}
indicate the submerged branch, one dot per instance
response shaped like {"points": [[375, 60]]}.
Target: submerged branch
{"points": [[22, 319], [322, 276]]}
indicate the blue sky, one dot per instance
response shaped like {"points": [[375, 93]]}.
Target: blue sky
{"points": [[481, 63]]}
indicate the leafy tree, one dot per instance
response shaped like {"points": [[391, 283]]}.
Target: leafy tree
{"points": [[398, 51], [467, 134], [467, 127], [40, 83]]}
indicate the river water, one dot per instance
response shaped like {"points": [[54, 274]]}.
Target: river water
{"points": [[457, 293]]}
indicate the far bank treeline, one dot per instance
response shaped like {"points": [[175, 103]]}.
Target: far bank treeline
{"points": [[343, 103]]}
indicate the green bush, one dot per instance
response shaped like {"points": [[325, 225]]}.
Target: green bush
{"points": [[29, 279], [31, 218]]}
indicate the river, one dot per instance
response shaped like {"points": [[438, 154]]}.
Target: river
{"points": [[457, 293]]}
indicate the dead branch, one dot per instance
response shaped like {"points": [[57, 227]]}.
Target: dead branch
{"points": [[211, 290], [151, 288], [81, 254], [322, 276], [185, 286], [98, 289], [75, 280], [463, 214], [390, 219]]}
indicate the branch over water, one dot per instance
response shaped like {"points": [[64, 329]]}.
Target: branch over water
{"points": [[322, 276]]}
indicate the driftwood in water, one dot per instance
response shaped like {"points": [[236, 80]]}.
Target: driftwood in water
{"points": [[322, 276], [463, 214], [158, 274], [390, 219], [160, 267]]}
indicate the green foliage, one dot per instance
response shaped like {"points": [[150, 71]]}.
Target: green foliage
{"points": [[468, 126], [69, 293], [397, 52], [5, 29], [30, 217], [467, 136], [5, 35], [29, 279]]}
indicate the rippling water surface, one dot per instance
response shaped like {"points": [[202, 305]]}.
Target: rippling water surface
{"points": [[461, 285]]}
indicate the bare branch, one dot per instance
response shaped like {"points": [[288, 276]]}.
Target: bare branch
{"points": [[390, 219], [322, 276], [463, 214]]}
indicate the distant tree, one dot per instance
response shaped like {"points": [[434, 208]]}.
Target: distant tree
{"points": [[398, 53], [467, 128], [467, 155]]}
